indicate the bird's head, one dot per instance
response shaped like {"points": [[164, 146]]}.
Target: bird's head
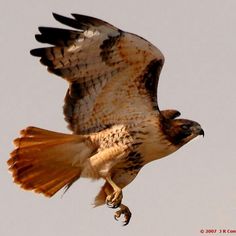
{"points": [[181, 131]]}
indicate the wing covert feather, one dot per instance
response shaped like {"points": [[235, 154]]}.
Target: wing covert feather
{"points": [[113, 75]]}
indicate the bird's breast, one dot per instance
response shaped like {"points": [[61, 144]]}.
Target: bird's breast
{"points": [[154, 144]]}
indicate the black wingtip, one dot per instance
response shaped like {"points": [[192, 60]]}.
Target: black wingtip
{"points": [[89, 20], [84, 18], [81, 16], [55, 15], [67, 21], [60, 18], [36, 52], [38, 37]]}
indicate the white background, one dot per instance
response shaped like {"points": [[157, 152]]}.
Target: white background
{"points": [[194, 188]]}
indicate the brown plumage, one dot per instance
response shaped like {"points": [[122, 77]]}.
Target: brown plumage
{"points": [[111, 108]]}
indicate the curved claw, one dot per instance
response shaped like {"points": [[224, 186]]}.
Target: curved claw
{"points": [[110, 205], [124, 210], [114, 200], [116, 217]]}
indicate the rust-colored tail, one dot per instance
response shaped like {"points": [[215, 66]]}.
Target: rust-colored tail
{"points": [[46, 161]]}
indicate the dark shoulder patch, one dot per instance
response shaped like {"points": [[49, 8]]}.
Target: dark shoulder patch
{"points": [[74, 93], [107, 45], [150, 78]]}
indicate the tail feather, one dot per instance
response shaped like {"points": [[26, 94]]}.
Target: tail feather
{"points": [[46, 161]]}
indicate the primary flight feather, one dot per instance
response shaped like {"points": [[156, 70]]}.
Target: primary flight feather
{"points": [[111, 108]]}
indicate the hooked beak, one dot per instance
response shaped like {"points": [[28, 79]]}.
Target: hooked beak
{"points": [[201, 132], [198, 130]]}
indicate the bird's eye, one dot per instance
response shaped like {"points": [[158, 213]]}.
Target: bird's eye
{"points": [[184, 127]]}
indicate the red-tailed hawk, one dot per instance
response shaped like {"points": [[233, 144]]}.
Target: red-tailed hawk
{"points": [[111, 108]]}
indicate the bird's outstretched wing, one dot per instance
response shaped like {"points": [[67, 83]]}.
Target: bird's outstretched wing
{"points": [[113, 75]]}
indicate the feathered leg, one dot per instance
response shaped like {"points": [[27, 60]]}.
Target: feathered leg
{"points": [[114, 199], [107, 194]]}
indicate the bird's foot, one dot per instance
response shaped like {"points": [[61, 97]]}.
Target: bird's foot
{"points": [[114, 200], [124, 210]]}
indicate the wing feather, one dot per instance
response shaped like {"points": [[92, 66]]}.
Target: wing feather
{"points": [[113, 75]]}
